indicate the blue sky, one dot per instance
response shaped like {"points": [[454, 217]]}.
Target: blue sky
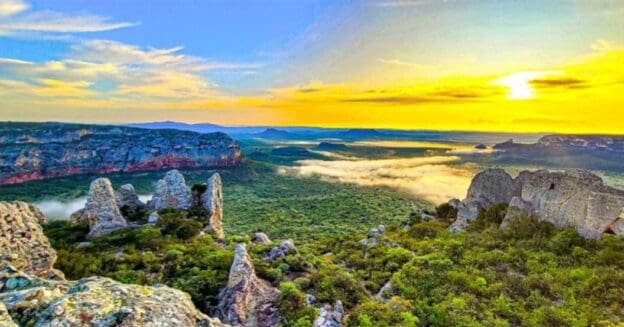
{"points": [[388, 63]]}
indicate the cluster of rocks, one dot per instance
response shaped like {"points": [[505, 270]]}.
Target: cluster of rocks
{"points": [[330, 316], [376, 235], [247, 300], [284, 248], [573, 198], [103, 209], [29, 296]]}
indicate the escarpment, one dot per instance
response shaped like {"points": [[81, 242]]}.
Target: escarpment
{"points": [[573, 198], [32, 151]]}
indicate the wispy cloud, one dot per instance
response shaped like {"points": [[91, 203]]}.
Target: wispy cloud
{"points": [[11, 7], [16, 19], [403, 63]]}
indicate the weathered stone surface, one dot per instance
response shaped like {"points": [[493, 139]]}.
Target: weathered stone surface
{"points": [[95, 301], [489, 187], [330, 317], [212, 201], [260, 238], [573, 198], [126, 197], [171, 192], [101, 209], [43, 150], [618, 226], [5, 318], [22, 242], [247, 300], [153, 218], [280, 251]]}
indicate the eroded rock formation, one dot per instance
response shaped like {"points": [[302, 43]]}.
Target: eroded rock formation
{"points": [[247, 300], [101, 210], [22, 242], [574, 198], [260, 238], [126, 197], [33, 151], [212, 201], [171, 192]]}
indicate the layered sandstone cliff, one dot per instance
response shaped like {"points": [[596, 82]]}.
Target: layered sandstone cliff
{"points": [[31, 151]]}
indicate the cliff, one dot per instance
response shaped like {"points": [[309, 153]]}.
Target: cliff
{"points": [[31, 151]]}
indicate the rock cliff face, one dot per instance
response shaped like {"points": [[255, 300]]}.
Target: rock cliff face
{"points": [[22, 242], [171, 192], [574, 198], [30, 151], [247, 300], [212, 201], [101, 210]]}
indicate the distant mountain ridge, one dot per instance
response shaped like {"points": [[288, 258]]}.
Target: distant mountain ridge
{"points": [[31, 151], [593, 143]]}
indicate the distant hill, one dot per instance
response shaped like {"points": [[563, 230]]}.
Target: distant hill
{"points": [[274, 133], [361, 134], [199, 128], [329, 146]]}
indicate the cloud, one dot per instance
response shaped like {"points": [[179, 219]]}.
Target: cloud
{"points": [[15, 19], [601, 45], [55, 209], [402, 63], [559, 82], [429, 178], [11, 7]]}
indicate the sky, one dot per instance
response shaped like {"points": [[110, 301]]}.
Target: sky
{"points": [[513, 66]]}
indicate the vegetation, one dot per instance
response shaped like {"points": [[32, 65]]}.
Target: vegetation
{"points": [[529, 274]]}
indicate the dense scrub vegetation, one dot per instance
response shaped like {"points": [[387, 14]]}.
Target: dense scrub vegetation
{"points": [[528, 274]]}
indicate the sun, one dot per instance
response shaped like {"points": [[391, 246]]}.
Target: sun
{"points": [[519, 84]]}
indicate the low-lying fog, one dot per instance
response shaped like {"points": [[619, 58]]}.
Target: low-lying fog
{"points": [[54, 209], [434, 179]]}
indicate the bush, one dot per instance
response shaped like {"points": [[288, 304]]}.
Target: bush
{"points": [[490, 217], [446, 212]]}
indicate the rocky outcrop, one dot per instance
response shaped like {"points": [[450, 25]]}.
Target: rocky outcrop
{"points": [[260, 238], [280, 251], [126, 197], [212, 201], [33, 151], [101, 210], [153, 218], [93, 301], [330, 317], [22, 242], [489, 187], [247, 300], [171, 192], [574, 198], [376, 235]]}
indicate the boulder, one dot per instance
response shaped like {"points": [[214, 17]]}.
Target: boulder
{"points": [[94, 301], [153, 218], [260, 238], [618, 226], [212, 201], [171, 192], [101, 209], [247, 300], [330, 317], [126, 197], [280, 251], [22, 242], [375, 236]]}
